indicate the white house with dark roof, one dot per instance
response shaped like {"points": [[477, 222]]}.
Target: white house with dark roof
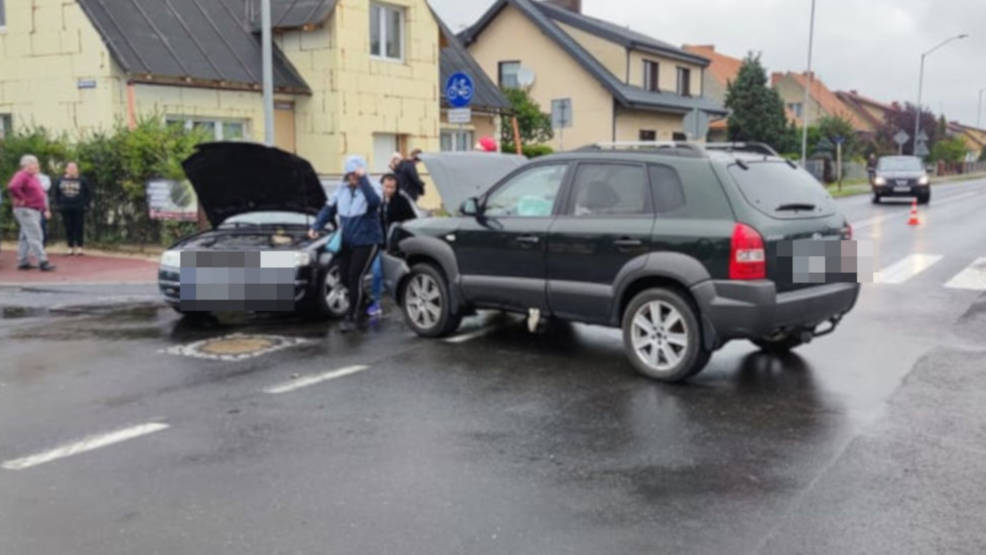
{"points": [[621, 85]]}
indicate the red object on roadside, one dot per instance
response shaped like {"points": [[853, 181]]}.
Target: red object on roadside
{"points": [[487, 144], [747, 257], [914, 214]]}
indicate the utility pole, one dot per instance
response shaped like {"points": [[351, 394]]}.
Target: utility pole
{"points": [[268, 72], [917, 115], [804, 107], [979, 113]]}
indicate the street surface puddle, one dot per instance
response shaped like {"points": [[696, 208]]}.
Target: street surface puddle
{"points": [[235, 347], [18, 312]]}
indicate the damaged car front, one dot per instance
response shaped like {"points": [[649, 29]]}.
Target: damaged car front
{"points": [[260, 202]]}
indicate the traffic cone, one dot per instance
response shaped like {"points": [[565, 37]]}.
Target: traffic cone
{"points": [[914, 214]]}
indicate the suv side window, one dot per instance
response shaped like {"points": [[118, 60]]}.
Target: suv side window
{"points": [[610, 190], [669, 195], [530, 194]]}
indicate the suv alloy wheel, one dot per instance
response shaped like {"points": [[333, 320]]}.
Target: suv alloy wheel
{"points": [[426, 303], [662, 337]]}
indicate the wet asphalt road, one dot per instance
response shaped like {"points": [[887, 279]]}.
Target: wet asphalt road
{"points": [[868, 440]]}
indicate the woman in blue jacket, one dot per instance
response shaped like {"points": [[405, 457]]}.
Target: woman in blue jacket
{"points": [[357, 204]]}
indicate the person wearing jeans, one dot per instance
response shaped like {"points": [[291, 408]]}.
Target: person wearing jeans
{"points": [[357, 204], [30, 205], [396, 208], [72, 199]]}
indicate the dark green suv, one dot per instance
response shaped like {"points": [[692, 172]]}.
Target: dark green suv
{"points": [[683, 246]]}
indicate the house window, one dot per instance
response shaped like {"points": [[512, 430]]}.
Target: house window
{"points": [[457, 140], [679, 136], [215, 129], [796, 108], [386, 32], [508, 75], [651, 76], [684, 81], [6, 125], [648, 135], [3, 15], [385, 146]]}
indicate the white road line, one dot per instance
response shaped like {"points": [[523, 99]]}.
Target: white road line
{"points": [[471, 335], [87, 444], [907, 268], [972, 278], [306, 381]]}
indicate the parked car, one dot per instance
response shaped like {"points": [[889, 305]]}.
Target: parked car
{"points": [[681, 247], [901, 176], [260, 202]]}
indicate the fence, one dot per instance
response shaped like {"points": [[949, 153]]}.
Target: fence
{"points": [[824, 170]]}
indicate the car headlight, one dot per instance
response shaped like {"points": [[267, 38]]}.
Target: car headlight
{"points": [[924, 180], [879, 181], [302, 258], [171, 259]]}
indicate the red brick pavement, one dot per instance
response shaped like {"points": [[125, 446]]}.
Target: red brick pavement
{"points": [[79, 269]]}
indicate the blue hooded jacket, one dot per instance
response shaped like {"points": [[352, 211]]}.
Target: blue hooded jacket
{"points": [[358, 209]]}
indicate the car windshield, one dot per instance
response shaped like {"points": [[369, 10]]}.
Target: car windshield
{"points": [[778, 190], [268, 218], [900, 164]]}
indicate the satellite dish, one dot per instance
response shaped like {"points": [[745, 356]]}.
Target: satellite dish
{"points": [[525, 77]]}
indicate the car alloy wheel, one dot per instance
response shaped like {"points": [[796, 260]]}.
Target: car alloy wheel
{"points": [[336, 294], [659, 336], [423, 301]]}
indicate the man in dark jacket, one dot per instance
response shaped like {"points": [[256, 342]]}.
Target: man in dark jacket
{"points": [[407, 175], [357, 204], [396, 208], [72, 200]]}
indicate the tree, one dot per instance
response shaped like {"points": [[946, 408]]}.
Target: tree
{"points": [[950, 150], [757, 111], [982, 155], [834, 127], [535, 125], [903, 120]]}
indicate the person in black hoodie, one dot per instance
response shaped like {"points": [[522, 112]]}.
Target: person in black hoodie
{"points": [[72, 200], [407, 175], [396, 208]]}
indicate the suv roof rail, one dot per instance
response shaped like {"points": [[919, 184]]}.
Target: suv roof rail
{"points": [[759, 148], [681, 148]]}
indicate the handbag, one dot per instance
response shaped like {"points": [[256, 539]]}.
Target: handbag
{"points": [[334, 244]]}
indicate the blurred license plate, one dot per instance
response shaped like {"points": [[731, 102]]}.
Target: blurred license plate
{"points": [[827, 261], [237, 281], [902, 188]]}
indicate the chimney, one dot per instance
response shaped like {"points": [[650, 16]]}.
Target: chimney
{"points": [[570, 5]]}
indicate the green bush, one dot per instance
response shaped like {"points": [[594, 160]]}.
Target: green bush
{"points": [[949, 150], [529, 151], [118, 165]]}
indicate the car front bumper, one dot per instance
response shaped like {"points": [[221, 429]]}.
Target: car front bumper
{"points": [[252, 297], [754, 309], [901, 190]]}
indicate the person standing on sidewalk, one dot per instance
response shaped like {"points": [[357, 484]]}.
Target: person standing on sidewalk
{"points": [[45, 182], [409, 180], [29, 206], [357, 203], [396, 208], [72, 200]]}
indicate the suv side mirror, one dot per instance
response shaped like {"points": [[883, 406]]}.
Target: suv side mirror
{"points": [[470, 207]]}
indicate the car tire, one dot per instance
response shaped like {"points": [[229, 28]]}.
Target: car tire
{"points": [[924, 198], [876, 198], [662, 337], [331, 297], [427, 304], [780, 344]]}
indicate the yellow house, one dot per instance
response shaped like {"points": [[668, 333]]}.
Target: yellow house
{"points": [[351, 76], [608, 82]]}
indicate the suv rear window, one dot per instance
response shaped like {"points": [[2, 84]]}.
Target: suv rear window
{"points": [[782, 192]]}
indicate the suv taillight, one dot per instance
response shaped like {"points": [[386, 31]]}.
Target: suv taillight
{"points": [[747, 257]]}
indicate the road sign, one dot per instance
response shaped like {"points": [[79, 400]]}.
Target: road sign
{"points": [[839, 140], [922, 137], [921, 149], [561, 113], [460, 115], [696, 124], [459, 90], [901, 138]]}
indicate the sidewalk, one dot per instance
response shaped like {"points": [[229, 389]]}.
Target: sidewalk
{"points": [[93, 268]]}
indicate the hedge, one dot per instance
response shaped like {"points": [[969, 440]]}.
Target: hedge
{"points": [[117, 165]]}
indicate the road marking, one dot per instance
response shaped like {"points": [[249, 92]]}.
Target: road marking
{"points": [[471, 335], [307, 381], [907, 268], [870, 222], [85, 445], [973, 277]]}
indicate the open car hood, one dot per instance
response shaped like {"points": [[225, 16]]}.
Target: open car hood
{"points": [[235, 178], [460, 175]]}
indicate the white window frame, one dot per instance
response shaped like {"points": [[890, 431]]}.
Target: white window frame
{"points": [[6, 117], [455, 134], [3, 16], [188, 122], [683, 85], [797, 108], [652, 72], [382, 24]]}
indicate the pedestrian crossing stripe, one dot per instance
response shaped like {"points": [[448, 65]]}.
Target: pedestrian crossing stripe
{"points": [[907, 268], [972, 277]]}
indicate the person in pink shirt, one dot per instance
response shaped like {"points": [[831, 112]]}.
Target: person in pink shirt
{"points": [[30, 204]]}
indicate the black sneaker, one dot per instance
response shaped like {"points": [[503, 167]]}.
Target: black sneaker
{"points": [[347, 325], [26, 267], [47, 267]]}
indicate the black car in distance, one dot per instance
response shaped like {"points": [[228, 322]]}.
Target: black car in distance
{"points": [[257, 257], [683, 246], [900, 176]]}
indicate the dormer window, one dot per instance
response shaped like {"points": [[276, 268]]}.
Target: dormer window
{"points": [[651, 75], [684, 82]]}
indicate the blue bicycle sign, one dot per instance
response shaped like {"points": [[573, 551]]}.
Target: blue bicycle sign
{"points": [[459, 90]]}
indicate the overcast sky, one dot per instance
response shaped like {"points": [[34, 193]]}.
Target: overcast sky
{"points": [[873, 46]]}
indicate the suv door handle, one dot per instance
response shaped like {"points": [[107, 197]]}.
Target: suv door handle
{"points": [[529, 239], [627, 243]]}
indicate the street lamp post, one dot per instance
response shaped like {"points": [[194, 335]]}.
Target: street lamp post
{"points": [[917, 115], [267, 55], [979, 112], [808, 79]]}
